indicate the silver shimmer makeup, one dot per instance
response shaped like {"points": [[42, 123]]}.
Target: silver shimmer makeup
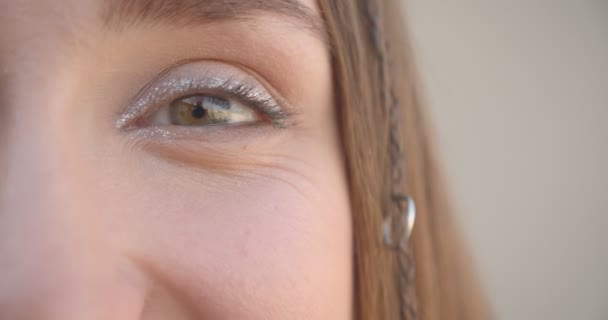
{"points": [[202, 77]]}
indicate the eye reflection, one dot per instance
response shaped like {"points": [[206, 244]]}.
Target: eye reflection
{"points": [[204, 110]]}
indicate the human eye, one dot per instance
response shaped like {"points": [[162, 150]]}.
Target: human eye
{"points": [[198, 95], [204, 110]]}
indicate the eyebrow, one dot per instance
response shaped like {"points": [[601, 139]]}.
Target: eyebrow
{"points": [[120, 13]]}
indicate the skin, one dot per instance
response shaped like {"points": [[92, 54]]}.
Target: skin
{"points": [[229, 222]]}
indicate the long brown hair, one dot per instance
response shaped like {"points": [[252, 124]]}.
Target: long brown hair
{"points": [[376, 91]]}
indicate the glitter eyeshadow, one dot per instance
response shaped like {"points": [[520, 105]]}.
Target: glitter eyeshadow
{"points": [[218, 79]]}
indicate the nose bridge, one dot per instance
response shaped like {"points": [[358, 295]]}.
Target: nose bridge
{"points": [[55, 259], [43, 240], [46, 238], [39, 160], [55, 262], [38, 157]]}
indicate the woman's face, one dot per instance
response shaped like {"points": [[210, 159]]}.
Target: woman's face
{"points": [[170, 159]]}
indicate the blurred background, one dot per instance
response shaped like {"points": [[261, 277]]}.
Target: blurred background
{"points": [[518, 93]]}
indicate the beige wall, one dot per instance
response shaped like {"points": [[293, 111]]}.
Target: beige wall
{"points": [[518, 92]]}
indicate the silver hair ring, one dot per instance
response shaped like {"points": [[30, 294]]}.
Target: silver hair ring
{"points": [[407, 217]]}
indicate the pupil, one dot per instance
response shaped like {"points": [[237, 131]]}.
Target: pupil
{"points": [[198, 112]]}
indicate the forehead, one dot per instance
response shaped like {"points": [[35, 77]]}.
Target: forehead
{"points": [[26, 19], [44, 23], [27, 10], [87, 9]]}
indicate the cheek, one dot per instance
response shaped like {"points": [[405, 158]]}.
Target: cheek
{"points": [[271, 245]]}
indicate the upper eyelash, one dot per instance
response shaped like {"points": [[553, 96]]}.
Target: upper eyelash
{"points": [[268, 106], [276, 111]]}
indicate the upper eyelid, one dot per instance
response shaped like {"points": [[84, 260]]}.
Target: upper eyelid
{"points": [[241, 85]]}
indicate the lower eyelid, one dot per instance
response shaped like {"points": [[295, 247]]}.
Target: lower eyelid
{"points": [[228, 133], [185, 146]]}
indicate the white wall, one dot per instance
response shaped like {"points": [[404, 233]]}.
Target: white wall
{"points": [[518, 92]]}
